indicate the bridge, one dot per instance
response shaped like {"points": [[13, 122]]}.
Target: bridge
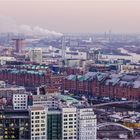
{"points": [[113, 103], [115, 124]]}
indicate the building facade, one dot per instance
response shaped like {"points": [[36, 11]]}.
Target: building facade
{"points": [[104, 84], [14, 125], [36, 55], [87, 123], [20, 101], [54, 124], [38, 115], [69, 124]]}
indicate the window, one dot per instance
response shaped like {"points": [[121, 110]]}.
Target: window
{"points": [[70, 115], [36, 117], [37, 125], [37, 121], [42, 129], [43, 137], [36, 113], [42, 125], [42, 117], [65, 134]]}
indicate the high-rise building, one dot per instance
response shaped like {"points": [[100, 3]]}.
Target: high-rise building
{"points": [[86, 124], [62, 123], [38, 115], [36, 55], [54, 124], [18, 44], [69, 123]]}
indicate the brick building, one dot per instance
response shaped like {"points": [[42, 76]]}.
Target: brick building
{"points": [[105, 84], [30, 78]]}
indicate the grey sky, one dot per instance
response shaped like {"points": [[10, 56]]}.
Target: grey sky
{"points": [[75, 15]]}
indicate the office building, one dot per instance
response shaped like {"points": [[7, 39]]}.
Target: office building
{"points": [[14, 125], [54, 124]]}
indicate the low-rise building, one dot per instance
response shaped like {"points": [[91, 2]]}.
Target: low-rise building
{"points": [[105, 85]]}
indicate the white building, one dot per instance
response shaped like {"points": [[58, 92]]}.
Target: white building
{"points": [[20, 101], [38, 115], [4, 59], [86, 124], [69, 124], [46, 101], [75, 55], [36, 55], [2, 84]]}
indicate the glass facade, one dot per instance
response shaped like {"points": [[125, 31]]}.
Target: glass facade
{"points": [[13, 126], [54, 126]]}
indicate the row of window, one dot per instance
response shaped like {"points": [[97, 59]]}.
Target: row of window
{"points": [[67, 138], [38, 138], [38, 117], [37, 113], [65, 123], [38, 125], [70, 119], [70, 115]]}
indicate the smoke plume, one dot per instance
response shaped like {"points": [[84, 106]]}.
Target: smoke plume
{"points": [[10, 25]]}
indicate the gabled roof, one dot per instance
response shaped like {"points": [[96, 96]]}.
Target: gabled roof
{"points": [[71, 77], [136, 84], [128, 77], [113, 81]]}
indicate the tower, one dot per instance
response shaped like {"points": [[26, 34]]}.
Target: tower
{"points": [[63, 48], [63, 51], [18, 44]]}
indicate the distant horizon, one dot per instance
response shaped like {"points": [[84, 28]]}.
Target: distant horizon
{"points": [[80, 16], [82, 33]]}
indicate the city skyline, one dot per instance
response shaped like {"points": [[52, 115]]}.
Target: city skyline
{"points": [[80, 16]]}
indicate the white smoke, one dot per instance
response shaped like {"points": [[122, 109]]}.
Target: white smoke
{"points": [[10, 25]]}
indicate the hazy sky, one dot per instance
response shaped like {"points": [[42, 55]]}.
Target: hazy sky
{"points": [[75, 15]]}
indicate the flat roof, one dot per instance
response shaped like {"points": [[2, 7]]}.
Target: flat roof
{"points": [[68, 98]]}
